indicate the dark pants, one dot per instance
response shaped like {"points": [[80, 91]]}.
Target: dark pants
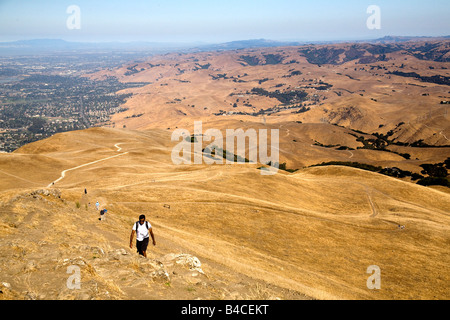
{"points": [[141, 246]]}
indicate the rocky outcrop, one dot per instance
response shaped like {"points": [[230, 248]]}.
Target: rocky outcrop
{"points": [[47, 192]]}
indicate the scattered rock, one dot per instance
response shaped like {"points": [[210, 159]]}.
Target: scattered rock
{"points": [[118, 254], [30, 296], [75, 261], [98, 250], [6, 285], [31, 266], [192, 262], [46, 192], [121, 251], [161, 274]]}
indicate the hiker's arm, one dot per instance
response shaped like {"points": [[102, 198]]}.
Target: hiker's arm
{"points": [[153, 236], [131, 238]]}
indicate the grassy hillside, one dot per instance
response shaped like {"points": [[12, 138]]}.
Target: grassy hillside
{"points": [[302, 235]]}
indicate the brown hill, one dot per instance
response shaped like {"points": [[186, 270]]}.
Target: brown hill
{"points": [[227, 231], [368, 87], [309, 234]]}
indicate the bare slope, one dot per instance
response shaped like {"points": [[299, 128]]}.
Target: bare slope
{"points": [[353, 90], [367, 87], [313, 233]]}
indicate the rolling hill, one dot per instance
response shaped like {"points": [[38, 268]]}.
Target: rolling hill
{"points": [[359, 124], [311, 234]]}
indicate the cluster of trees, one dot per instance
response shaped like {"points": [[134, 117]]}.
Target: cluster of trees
{"points": [[230, 156], [324, 86], [377, 52], [293, 73], [431, 51], [135, 116], [437, 79], [273, 59], [380, 144], [37, 125], [288, 97], [250, 60], [219, 76], [281, 166], [330, 55], [132, 70], [270, 59], [302, 109], [437, 174], [322, 55], [202, 67]]}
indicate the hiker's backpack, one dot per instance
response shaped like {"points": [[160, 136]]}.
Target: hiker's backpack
{"points": [[137, 225]]}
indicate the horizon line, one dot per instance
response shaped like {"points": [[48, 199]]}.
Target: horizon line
{"points": [[221, 42]]}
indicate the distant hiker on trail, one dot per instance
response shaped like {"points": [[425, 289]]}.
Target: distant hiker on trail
{"points": [[102, 214], [142, 229], [97, 205], [85, 191]]}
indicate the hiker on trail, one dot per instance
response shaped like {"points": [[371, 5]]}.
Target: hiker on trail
{"points": [[142, 229], [97, 205], [102, 214]]}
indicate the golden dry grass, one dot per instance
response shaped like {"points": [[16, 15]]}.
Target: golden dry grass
{"points": [[302, 235], [313, 232], [179, 92]]}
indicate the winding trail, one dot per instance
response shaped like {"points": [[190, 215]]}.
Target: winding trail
{"points": [[442, 134], [372, 206], [63, 173], [117, 146], [440, 130], [287, 130]]}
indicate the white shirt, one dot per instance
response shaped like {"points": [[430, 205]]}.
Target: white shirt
{"points": [[142, 231]]}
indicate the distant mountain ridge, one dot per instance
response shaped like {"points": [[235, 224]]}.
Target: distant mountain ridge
{"points": [[248, 44], [38, 46], [390, 39], [44, 45]]}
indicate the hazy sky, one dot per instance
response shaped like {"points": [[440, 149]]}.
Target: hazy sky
{"points": [[220, 21]]}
